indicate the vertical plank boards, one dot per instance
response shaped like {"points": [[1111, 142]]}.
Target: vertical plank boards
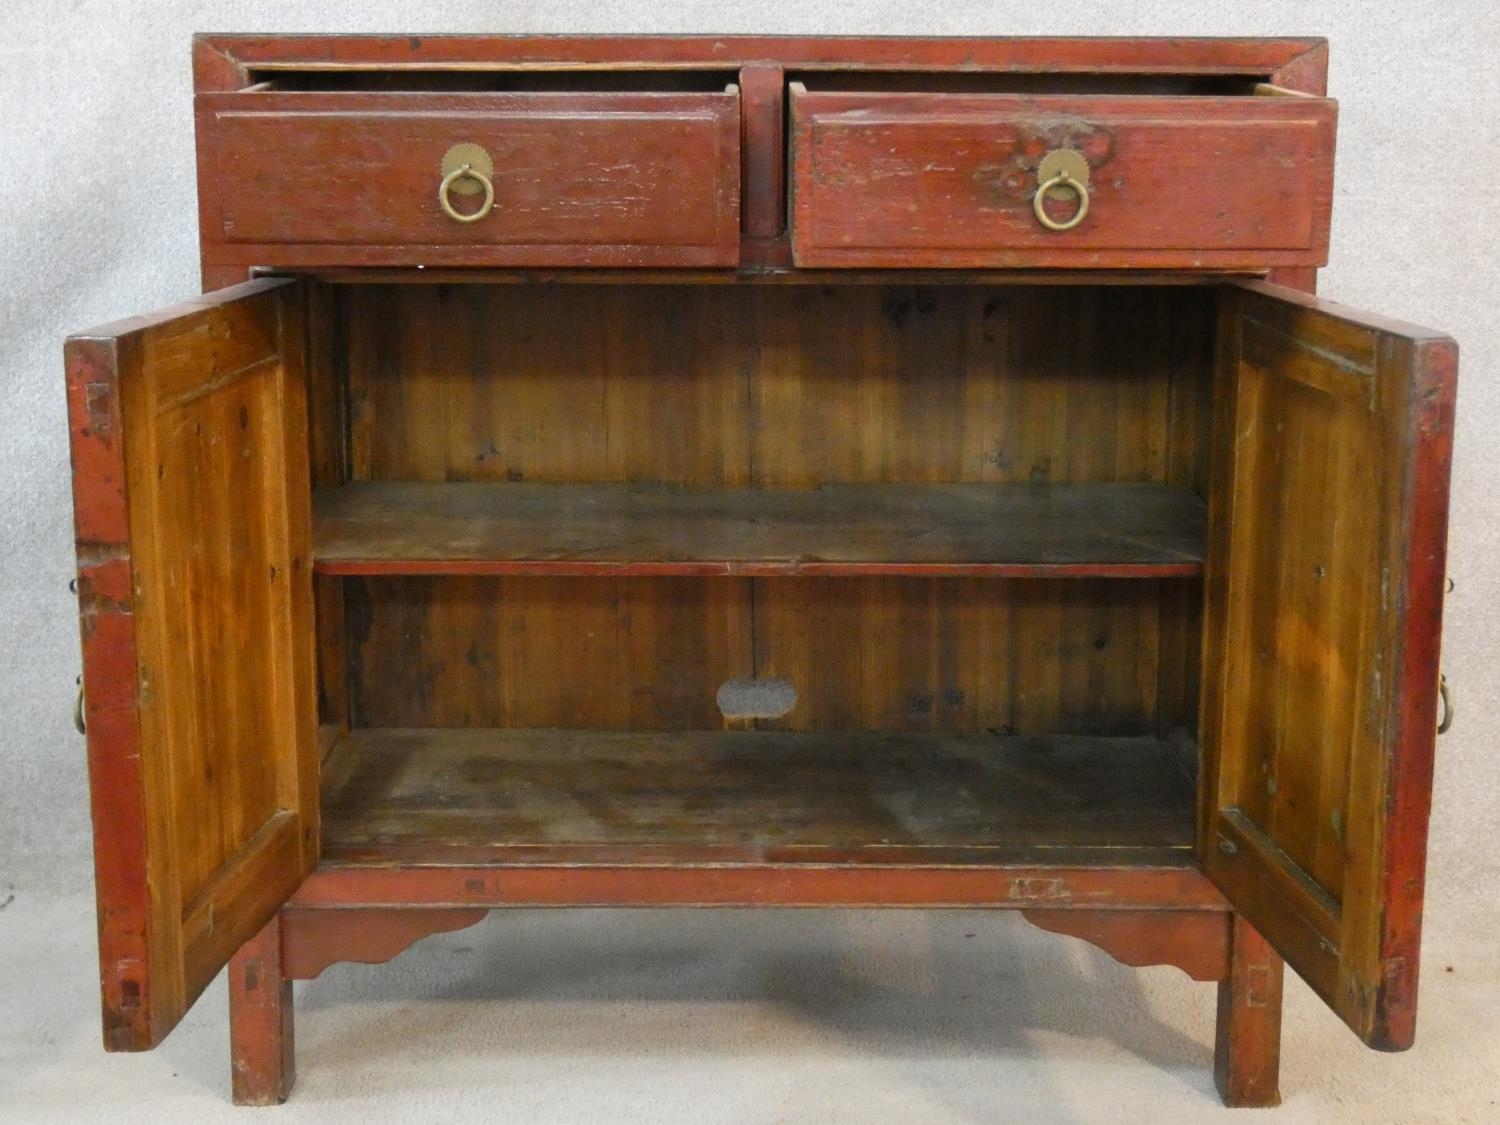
{"points": [[649, 654], [291, 634], [1190, 355], [846, 383], [329, 431], [959, 654], [673, 407], [778, 387], [631, 654], [202, 522]]}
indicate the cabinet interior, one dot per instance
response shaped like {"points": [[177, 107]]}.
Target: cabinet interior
{"points": [[952, 533]]}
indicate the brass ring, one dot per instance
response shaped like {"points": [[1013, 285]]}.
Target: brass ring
{"points": [[1447, 698], [466, 172], [1062, 179]]}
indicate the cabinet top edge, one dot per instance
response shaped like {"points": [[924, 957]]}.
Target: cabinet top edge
{"points": [[222, 58]]}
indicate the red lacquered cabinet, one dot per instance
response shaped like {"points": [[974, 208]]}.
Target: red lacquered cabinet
{"points": [[761, 472]]}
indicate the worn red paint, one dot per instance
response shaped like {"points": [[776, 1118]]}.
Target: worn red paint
{"points": [[1414, 698], [102, 526]]}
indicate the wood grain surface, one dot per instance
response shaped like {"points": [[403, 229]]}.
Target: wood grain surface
{"points": [[778, 387], [755, 796], [1324, 596], [1119, 530], [194, 539], [580, 179], [895, 179], [1028, 656]]}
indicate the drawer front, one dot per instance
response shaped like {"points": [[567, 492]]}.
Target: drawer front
{"points": [[950, 180], [581, 179]]}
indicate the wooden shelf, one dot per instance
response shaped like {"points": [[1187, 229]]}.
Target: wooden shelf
{"points": [[999, 530], [546, 797]]}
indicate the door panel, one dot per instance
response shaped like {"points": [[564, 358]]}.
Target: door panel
{"points": [[191, 501], [1328, 517]]}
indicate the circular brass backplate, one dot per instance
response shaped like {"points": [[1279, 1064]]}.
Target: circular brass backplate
{"points": [[1061, 160], [476, 158]]}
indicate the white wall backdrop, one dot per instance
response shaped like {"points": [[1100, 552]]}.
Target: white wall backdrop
{"points": [[97, 220]]}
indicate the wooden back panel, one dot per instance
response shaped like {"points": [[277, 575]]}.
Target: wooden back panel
{"points": [[777, 387], [191, 475], [1028, 656]]}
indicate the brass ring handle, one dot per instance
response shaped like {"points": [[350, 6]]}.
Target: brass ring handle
{"points": [[78, 720], [1062, 179], [1447, 697], [466, 172]]}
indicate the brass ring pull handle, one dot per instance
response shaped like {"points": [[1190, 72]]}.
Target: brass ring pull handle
{"points": [[1062, 168], [1062, 179], [466, 172], [78, 720], [1447, 697]]}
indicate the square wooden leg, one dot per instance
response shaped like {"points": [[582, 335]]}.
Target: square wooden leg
{"points": [[1247, 1047], [261, 1043]]}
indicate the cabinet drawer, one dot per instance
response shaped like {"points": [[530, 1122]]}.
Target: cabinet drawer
{"points": [[950, 180], [579, 178]]}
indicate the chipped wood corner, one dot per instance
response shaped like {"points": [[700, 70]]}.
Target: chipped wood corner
{"points": [[1307, 72]]}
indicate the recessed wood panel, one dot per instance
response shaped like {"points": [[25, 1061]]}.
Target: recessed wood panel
{"points": [[195, 570], [1324, 598]]}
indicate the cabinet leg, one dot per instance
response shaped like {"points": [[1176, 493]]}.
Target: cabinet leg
{"points": [[1247, 1045], [260, 1021]]}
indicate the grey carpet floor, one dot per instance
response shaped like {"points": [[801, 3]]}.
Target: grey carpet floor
{"points": [[708, 1017]]}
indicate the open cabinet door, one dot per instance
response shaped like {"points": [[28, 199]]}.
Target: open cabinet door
{"points": [[1328, 512], [191, 500]]}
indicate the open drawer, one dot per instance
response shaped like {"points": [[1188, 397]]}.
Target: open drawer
{"points": [[341, 177], [886, 178]]}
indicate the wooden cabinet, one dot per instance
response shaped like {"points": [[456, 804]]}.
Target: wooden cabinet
{"points": [[769, 482]]}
